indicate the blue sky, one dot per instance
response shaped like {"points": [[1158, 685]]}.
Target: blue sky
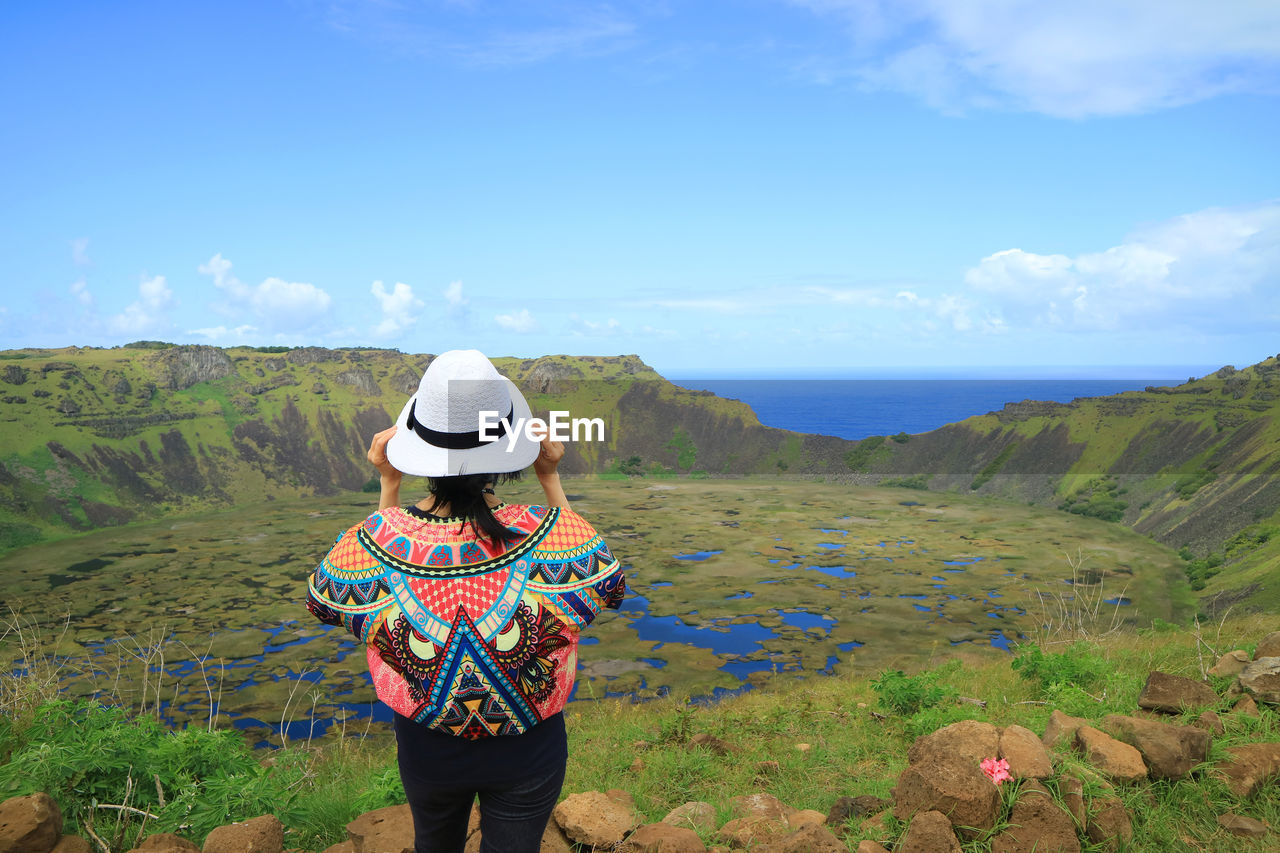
{"points": [[762, 186]]}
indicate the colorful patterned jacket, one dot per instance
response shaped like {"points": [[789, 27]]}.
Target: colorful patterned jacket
{"points": [[465, 637]]}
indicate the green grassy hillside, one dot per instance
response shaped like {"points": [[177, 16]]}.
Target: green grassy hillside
{"points": [[1196, 466], [100, 437]]}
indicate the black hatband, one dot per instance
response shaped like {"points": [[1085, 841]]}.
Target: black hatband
{"points": [[457, 440]]}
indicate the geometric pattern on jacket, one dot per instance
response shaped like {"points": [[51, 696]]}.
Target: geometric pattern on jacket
{"points": [[468, 637]]}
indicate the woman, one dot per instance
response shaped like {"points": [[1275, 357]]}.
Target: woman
{"points": [[470, 608]]}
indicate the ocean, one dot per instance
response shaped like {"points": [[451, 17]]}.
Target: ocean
{"points": [[857, 408]]}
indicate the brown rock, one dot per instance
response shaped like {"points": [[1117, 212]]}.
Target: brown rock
{"points": [[388, 830], [1109, 824], [263, 834], [1061, 727], [929, 832], [166, 842], [595, 819], [76, 844], [960, 790], [1250, 766], [1246, 706], [1268, 646], [1170, 751], [341, 847], [1261, 679], [1211, 723], [29, 824], [746, 831], [877, 824], [711, 742], [811, 839], [968, 741], [1037, 824], [760, 805], [1230, 664], [1027, 757], [1174, 694], [1073, 798], [622, 798], [662, 838], [1115, 759], [806, 817], [855, 807], [871, 847], [698, 816], [1245, 827]]}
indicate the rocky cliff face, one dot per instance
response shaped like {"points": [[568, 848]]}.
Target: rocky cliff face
{"points": [[105, 436]]}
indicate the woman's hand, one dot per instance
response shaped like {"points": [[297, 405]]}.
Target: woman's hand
{"points": [[389, 477], [545, 467], [548, 458]]}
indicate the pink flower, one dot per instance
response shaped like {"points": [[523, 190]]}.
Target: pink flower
{"points": [[996, 769]]}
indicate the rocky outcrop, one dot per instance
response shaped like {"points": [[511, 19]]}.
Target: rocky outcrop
{"points": [[595, 819], [1250, 766], [1026, 754], [1268, 646], [1116, 760], [1174, 694], [1261, 680], [260, 835], [360, 379], [1037, 825], [1170, 751], [929, 832], [184, 366], [388, 830]]}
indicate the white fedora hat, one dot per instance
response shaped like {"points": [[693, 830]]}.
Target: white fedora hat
{"points": [[439, 430]]}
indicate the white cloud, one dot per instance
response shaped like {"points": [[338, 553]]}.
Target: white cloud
{"points": [[289, 304], [220, 268], [1090, 57], [274, 304], [520, 321], [226, 336], [734, 304], [399, 308], [453, 295], [468, 33], [80, 290], [582, 327], [80, 251], [148, 312], [1190, 267]]}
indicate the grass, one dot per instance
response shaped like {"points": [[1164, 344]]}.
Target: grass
{"points": [[829, 737]]}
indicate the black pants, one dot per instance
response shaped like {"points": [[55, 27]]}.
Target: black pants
{"points": [[517, 779]]}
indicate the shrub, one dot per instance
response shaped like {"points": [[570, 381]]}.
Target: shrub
{"points": [[865, 453], [909, 694], [1078, 666]]}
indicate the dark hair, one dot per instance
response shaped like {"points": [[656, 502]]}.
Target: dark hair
{"points": [[465, 496]]}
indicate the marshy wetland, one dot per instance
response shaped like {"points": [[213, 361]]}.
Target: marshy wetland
{"points": [[732, 582]]}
